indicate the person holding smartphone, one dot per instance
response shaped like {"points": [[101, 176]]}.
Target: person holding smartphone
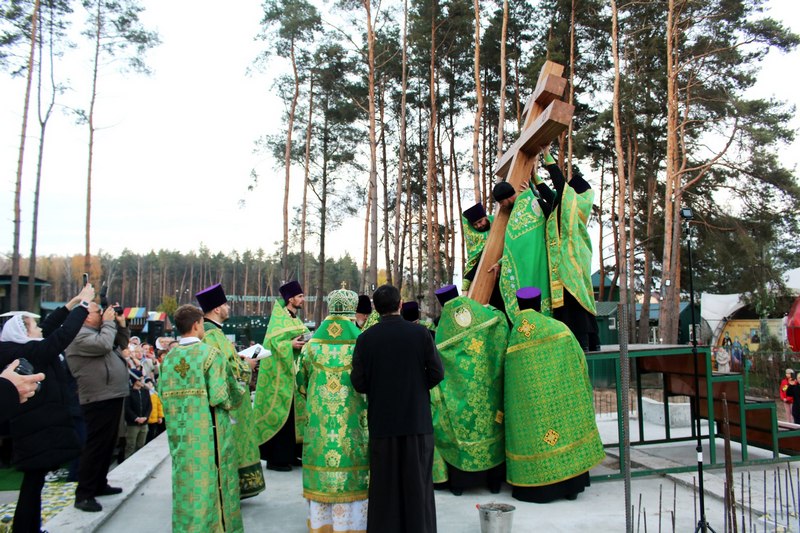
{"points": [[42, 430]]}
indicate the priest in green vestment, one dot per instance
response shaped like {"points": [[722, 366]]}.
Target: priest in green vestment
{"points": [[468, 408], [570, 252], [280, 414], [476, 224], [524, 262], [199, 400], [336, 438], [364, 312], [552, 439], [216, 310]]}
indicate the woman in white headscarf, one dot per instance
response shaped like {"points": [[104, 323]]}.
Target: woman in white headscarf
{"points": [[42, 430]]}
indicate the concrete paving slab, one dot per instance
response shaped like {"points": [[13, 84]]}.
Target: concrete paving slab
{"points": [[146, 504]]}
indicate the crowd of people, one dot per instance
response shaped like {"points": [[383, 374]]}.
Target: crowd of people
{"points": [[378, 405]]}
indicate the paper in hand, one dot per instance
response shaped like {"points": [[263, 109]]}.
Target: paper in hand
{"points": [[255, 352]]}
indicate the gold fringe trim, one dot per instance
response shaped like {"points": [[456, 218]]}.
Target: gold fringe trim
{"points": [[184, 392], [537, 342], [328, 528], [342, 497], [335, 468], [536, 456]]}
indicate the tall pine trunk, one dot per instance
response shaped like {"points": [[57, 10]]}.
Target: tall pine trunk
{"points": [[431, 173], [15, 258], [501, 121], [622, 249], [306, 170], [668, 312], [476, 175], [287, 162], [373, 147], [398, 249]]}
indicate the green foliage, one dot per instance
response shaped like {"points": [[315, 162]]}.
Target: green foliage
{"points": [[168, 305]]}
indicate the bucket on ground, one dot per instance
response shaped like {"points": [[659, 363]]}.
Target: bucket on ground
{"points": [[496, 517]]}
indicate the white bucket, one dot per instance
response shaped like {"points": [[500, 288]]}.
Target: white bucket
{"points": [[496, 517]]}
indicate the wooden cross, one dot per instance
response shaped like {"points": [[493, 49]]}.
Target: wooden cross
{"points": [[546, 117]]}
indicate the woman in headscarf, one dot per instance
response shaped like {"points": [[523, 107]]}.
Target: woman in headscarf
{"points": [[42, 431]]}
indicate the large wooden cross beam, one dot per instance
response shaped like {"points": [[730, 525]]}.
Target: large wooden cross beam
{"points": [[546, 117]]}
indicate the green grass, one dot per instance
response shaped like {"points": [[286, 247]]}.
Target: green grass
{"points": [[10, 479]]}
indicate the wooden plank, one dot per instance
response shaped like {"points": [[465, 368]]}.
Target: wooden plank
{"points": [[522, 159], [552, 89], [550, 124]]}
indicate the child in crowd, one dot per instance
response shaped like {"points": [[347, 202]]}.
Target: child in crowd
{"points": [[155, 423]]}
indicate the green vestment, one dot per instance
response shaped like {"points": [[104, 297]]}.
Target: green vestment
{"points": [[524, 262], [336, 438], [372, 319], [251, 477], [570, 249], [468, 411], [276, 377], [474, 242], [198, 398], [551, 432]]}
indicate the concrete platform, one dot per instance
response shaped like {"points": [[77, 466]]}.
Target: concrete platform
{"points": [[146, 503]]}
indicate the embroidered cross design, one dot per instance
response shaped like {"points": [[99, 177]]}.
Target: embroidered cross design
{"points": [[475, 346], [334, 330], [526, 328], [551, 437], [182, 368], [333, 385]]}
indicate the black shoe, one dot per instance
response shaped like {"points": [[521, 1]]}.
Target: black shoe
{"points": [[456, 491], [279, 468], [108, 490], [297, 462], [89, 505]]}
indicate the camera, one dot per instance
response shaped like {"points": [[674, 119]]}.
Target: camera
{"points": [[25, 368]]}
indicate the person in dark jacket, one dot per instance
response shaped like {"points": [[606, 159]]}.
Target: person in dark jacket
{"points": [[42, 432], [137, 411], [396, 364]]}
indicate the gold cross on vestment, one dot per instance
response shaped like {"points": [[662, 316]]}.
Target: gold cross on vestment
{"points": [[551, 437], [526, 328], [475, 346], [334, 330], [182, 368]]}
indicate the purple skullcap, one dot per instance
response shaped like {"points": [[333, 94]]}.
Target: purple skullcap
{"points": [[364, 305], [529, 298], [503, 191], [446, 293], [290, 290], [475, 213], [410, 311], [211, 297]]}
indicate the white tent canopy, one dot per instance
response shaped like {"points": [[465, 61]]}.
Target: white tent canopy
{"points": [[716, 309], [792, 279]]}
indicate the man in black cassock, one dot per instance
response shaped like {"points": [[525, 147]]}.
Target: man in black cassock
{"points": [[395, 364]]}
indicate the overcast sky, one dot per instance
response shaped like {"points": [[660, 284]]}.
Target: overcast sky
{"points": [[174, 155]]}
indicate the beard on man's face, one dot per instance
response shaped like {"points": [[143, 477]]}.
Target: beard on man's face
{"points": [[482, 226]]}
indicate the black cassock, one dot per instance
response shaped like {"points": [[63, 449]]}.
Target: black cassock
{"points": [[395, 363]]}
